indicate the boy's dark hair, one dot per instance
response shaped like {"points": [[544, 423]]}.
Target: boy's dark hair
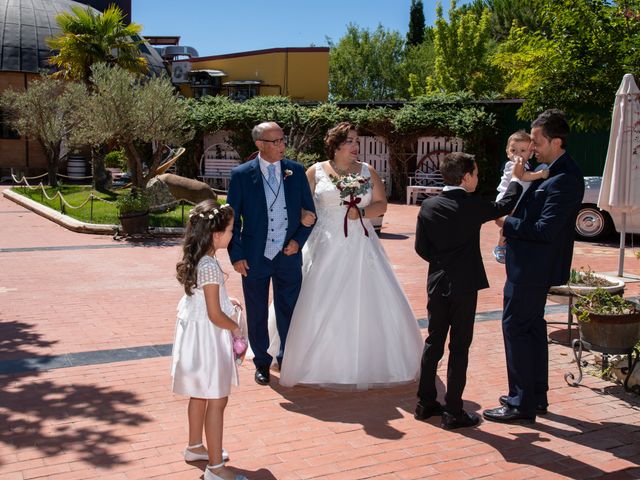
{"points": [[455, 165], [553, 124]]}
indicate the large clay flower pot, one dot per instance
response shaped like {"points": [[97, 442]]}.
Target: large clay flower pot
{"points": [[609, 332], [134, 223]]}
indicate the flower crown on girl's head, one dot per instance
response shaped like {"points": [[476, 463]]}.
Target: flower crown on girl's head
{"points": [[209, 214]]}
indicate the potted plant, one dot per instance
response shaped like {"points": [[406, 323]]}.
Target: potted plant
{"points": [[585, 281], [608, 322], [133, 212]]}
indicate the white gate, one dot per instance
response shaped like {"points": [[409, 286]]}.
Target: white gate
{"points": [[375, 152], [431, 150]]}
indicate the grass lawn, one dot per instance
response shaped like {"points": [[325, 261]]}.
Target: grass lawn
{"points": [[102, 211]]}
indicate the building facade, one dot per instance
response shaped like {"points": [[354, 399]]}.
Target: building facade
{"points": [[301, 74]]}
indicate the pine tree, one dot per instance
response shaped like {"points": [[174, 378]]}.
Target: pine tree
{"points": [[415, 35]]}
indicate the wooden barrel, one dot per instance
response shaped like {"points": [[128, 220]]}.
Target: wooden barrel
{"points": [[76, 166]]}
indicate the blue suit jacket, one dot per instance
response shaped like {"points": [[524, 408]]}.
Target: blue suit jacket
{"points": [[540, 232], [246, 196]]}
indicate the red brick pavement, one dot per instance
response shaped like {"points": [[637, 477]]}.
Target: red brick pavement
{"points": [[121, 421]]}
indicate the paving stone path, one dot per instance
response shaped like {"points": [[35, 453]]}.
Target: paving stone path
{"points": [[86, 324]]}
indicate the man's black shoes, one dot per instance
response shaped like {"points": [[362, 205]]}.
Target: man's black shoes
{"points": [[424, 412], [262, 375], [507, 414], [504, 401], [460, 420]]}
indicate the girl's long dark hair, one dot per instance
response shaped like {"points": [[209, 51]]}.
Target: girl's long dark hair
{"points": [[205, 218]]}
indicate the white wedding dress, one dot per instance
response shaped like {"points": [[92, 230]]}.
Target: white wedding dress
{"points": [[352, 326]]}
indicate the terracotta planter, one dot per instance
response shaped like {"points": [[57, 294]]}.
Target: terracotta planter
{"points": [[609, 332], [134, 223]]}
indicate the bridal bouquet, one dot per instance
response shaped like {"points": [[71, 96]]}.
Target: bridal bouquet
{"points": [[351, 187]]}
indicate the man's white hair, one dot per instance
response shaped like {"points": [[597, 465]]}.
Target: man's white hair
{"points": [[259, 129]]}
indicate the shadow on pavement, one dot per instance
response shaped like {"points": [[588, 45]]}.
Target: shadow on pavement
{"points": [[373, 409], [58, 418], [618, 439], [392, 236], [262, 474]]}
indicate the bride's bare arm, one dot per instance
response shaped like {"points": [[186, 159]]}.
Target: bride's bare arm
{"points": [[378, 205], [311, 177]]}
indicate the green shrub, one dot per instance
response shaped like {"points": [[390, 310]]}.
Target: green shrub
{"points": [[116, 159], [132, 202]]}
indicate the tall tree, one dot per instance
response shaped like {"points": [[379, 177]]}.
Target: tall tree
{"points": [[419, 64], [462, 48], [576, 62], [415, 35], [46, 112], [366, 65], [89, 37], [133, 114], [505, 13]]}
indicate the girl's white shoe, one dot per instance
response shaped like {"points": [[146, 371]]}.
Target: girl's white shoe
{"points": [[209, 475], [191, 456]]}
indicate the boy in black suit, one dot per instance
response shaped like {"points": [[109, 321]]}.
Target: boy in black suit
{"points": [[448, 237]]}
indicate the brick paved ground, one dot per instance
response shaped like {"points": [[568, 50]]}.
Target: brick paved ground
{"points": [[119, 420]]}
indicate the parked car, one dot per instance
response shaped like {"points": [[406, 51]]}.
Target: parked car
{"points": [[595, 224]]}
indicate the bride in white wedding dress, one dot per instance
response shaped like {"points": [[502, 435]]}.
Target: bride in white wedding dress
{"points": [[352, 326]]}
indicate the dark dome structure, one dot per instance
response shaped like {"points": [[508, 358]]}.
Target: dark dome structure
{"points": [[26, 24]]}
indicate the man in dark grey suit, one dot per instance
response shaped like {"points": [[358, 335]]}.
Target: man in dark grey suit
{"points": [[448, 237], [539, 235]]}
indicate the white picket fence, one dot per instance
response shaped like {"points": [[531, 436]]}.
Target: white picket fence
{"points": [[431, 150], [375, 152]]}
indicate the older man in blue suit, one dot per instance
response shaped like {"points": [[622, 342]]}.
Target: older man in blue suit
{"points": [[540, 236], [267, 195]]}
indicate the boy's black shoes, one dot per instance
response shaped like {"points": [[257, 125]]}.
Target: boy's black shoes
{"points": [[460, 420], [424, 412]]}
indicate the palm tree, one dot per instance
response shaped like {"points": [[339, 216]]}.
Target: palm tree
{"points": [[89, 37]]}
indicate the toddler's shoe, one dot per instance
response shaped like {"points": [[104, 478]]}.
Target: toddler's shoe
{"points": [[500, 253]]}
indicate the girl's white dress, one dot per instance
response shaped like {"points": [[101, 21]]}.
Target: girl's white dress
{"points": [[352, 326], [203, 362]]}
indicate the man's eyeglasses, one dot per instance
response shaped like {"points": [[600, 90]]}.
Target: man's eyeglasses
{"points": [[277, 142]]}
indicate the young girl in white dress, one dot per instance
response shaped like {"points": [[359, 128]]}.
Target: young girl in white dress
{"points": [[352, 327], [203, 359]]}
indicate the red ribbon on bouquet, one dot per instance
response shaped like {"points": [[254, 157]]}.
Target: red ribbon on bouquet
{"points": [[353, 203]]}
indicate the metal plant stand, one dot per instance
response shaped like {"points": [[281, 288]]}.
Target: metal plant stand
{"points": [[579, 345], [563, 299]]}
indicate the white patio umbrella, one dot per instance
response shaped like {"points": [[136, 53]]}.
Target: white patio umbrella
{"points": [[620, 189]]}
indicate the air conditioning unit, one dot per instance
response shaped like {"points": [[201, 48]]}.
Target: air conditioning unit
{"points": [[180, 72]]}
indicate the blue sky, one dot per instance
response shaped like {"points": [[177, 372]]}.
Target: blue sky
{"points": [[216, 27]]}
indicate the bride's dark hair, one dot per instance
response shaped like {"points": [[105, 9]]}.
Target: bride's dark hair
{"points": [[205, 219], [335, 137]]}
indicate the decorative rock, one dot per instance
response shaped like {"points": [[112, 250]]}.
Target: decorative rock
{"points": [[160, 197], [183, 188]]}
